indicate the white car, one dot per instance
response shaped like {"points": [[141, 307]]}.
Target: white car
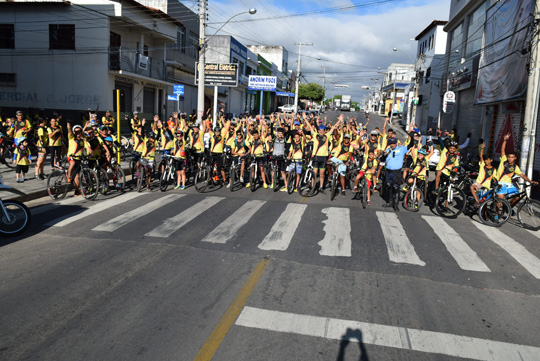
{"points": [[287, 108]]}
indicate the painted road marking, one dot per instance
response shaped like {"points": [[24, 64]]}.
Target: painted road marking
{"points": [[464, 255], [337, 228], [387, 336], [400, 249], [171, 225], [120, 221], [214, 340], [515, 249], [228, 228], [98, 207], [282, 231]]}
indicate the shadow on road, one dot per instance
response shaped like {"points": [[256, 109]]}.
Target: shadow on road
{"points": [[346, 340]]}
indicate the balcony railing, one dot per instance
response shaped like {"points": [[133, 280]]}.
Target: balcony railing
{"points": [[132, 61]]}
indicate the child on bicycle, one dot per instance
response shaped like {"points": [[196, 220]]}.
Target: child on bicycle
{"points": [[296, 154], [486, 174], [418, 169], [369, 168], [179, 152], [148, 152]]}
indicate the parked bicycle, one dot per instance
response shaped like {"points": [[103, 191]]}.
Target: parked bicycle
{"points": [[58, 186]]}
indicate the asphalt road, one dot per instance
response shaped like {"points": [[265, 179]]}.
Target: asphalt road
{"points": [[265, 276]]}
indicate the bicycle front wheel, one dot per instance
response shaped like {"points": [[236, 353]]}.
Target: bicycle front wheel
{"points": [[141, 179], [89, 184], [119, 178], [19, 219], [307, 187], [291, 181], [495, 212], [201, 179], [164, 179], [365, 191], [413, 200], [450, 202], [528, 214], [275, 180], [232, 177], [103, 181], [57, 186], [334, 187]]}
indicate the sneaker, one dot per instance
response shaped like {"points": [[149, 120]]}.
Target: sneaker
{"points": [[343, 193], [368, 203], [182, 188], [321, 190], [228, 185], [19, 181], [148, 189], [241, 179], [22, 180], [247, 185], [355, 189], [283, 190], [272, 186], [295, 190], [177, 187], [265, 186], [406, 188]]}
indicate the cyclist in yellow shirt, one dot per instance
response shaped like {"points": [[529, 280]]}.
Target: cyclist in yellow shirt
{"points": [[42, 142], [368, 170], [179, 152], [77, 144], [217, 140], [486, 174], [296, 155], [258, 148]]}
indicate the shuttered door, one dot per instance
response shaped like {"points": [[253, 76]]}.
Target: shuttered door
{"points": [[149, 102], [536, 165], [509, 117], [469, 117]]}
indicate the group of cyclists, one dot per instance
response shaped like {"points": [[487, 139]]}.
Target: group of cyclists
{"points": [[274, 152]]}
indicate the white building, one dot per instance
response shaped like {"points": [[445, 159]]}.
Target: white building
{"points": [[66, 63], [430, 62], [397, 80]]}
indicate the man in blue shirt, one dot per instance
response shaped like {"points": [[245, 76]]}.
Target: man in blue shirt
{"points": [[395, 157]]}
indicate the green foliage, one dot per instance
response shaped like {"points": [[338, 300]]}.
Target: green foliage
{"points": [[311, 91]]}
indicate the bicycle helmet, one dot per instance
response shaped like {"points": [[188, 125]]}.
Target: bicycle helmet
{"points": [[21, 139], [374, 132], [422, 151], [76, 127], [108, 139], [179, 132], [217, 129], [151, 135], [452, 144], [347, 136]]}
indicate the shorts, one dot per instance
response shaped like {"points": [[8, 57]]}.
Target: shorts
{"points": [[297, 166], [217, 158], [319, 162], [149, 163], [342, 168], [180, 164], [280, 162], [260, 161], [42, 150], [197, 157], [508, 189], [21, 169]]}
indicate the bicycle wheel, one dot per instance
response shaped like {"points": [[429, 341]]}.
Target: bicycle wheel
{"points": [[19, 219], [118, 178], [307, 186], [132, 168], [141, 179], [103, 181], [365, 191], [232, 177], [450, 202], [201, 179], [252, 178], [89, 184], [8, 157], [333, 187], [291, 181], [57, 185], [495, 212], [528, 214], [413, 199], [164, 179], [275, 180]]}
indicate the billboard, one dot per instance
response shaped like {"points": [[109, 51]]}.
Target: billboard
{"points": [[262, 82], [219, 74]]}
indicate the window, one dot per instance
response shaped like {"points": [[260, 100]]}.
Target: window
{"points": [[193, 45], [456, 39], [145, 50], [428, 74], [8, 79], [7, 36], [181, 39], [475, 31], [62, 36]]}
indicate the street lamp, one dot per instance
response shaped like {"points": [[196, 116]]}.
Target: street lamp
{"points": [[202, 54]]}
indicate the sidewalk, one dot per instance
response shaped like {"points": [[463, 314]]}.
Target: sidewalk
{"points": [[34, 188]]}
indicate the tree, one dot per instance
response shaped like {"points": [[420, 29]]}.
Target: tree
{"points": [[311, 91]]}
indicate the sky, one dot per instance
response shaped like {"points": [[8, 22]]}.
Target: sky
{"points": [[352, 38]]}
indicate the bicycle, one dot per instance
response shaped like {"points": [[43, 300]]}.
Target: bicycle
{"points": [[203, 175], [450, 201], [142, 173], [334, 183], [307, 180], [528, 212], [16, 216], [125, 146], [58, 186], [414, 198], [291, 176], [362, 191], [493, 211], [168, 176], [254, 174]]}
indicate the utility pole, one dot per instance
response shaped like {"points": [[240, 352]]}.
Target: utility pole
{"points": [[333, 87], [202, 59], [416, 86], [324, 79], [531, 109], [298, 74]]}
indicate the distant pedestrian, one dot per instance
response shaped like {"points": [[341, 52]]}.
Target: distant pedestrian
{"points": [[22, 159], [42, 142], [55, 142]]}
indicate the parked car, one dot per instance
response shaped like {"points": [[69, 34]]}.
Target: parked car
{"points": [[287, 108]]}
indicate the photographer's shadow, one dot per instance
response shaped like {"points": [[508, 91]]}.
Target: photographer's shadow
{"points": [[352, 335]]}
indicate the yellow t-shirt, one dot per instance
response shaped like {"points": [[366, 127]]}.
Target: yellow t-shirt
{"points": [[506, 171], [76, 146], [56, 139], [321, 144]]}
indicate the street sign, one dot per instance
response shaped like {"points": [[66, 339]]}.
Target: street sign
{"points": [[449, 101], [218, 74], [262, 82], [172, 97], [178, 89], [284, 94], [340, 86]]}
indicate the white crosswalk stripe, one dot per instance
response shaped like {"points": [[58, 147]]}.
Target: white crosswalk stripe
{"points": [[529, 261], [464, 255], [228, 228], [400, 249], [171, 225], [337, 229], [282, 231], [120, 221], [98, 207]]}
